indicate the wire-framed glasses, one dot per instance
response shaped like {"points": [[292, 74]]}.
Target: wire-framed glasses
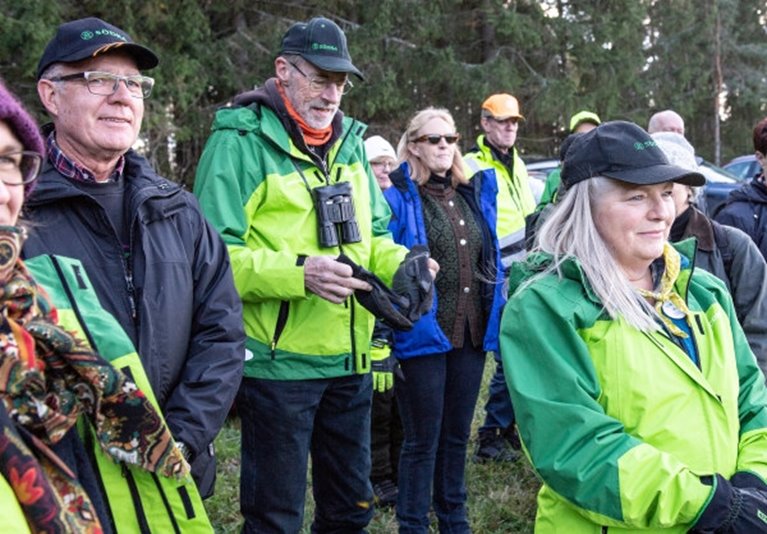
{"points": [[318, 83], [106, 83]]}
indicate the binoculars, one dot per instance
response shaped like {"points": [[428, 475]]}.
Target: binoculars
{"points": [[335, 209]]}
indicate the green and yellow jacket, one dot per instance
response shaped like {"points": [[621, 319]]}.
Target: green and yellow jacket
{"points": [[139, 501], [515, 199], [620, 424], [253, 184]]}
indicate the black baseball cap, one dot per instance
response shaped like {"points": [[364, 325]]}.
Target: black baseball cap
{"points": [[623, 151], [322, 43], [84, 38]]}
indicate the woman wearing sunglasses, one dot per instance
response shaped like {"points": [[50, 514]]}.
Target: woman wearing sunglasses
{"points": [[443, 356]]}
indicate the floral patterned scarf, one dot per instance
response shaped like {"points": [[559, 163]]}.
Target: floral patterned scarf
{"points": [[48, 378]]}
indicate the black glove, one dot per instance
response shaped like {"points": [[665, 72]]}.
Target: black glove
{"points": [[414, 281], [732, 509], [381, 301]]}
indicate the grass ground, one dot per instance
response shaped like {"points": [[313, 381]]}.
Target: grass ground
{"points": [[501, 496]]}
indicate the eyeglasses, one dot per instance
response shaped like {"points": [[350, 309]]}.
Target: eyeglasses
{"points": [[20, 167], [385, 164], [505, 122], [319, 84], [434, 139], [106, 83]]}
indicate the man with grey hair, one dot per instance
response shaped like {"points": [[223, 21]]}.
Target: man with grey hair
{"points": [[666, 121], [154, 261], [285, 180]]}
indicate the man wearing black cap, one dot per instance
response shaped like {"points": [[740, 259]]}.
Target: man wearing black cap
{"points": [[154, 261], [285, 180]]}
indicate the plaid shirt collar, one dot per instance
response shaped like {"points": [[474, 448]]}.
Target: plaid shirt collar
{"points": [[72, 170]]}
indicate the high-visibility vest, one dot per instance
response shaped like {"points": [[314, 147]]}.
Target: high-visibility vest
{"points": [[13, 518], [139, 501]]}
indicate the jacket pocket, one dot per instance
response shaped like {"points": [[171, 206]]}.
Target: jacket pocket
{"points": [[279, 327]]}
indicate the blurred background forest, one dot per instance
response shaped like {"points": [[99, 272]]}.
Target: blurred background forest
{"points": [[706, 59]]}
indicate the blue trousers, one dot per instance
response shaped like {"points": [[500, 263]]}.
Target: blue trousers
{"points": [[499, 413], [436, 400], [283, 421]]}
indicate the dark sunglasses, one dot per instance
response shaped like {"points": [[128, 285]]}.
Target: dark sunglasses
{"points": [[434, 139]]}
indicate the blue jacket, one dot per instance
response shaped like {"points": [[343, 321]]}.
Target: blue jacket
{"points": [[746, 209], [408, 229]]}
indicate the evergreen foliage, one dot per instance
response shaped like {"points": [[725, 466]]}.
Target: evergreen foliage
{"points": [[623, 60]]}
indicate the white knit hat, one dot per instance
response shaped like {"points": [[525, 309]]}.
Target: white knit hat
{"points": [[378, 147], [678, 150]]}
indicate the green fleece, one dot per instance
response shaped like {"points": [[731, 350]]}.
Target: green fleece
{"points": [[620, 424]]}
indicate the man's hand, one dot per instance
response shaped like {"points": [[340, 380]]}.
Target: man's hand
{"points": [[331, 280]]}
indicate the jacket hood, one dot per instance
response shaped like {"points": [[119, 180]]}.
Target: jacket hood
{"points": [[754, 192], [400, 177]]}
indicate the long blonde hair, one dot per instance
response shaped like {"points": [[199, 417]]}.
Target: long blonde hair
{"points": [[419, 173], [570, 232]]}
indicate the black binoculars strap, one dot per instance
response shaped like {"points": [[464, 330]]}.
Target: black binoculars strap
{"points": [[303, 177]]}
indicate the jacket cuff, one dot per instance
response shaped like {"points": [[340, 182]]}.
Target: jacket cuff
{"points": [[716, 511], [747, 479]]}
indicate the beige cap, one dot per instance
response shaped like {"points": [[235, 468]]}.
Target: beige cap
{"points": [[501, 106], [378, 147]]}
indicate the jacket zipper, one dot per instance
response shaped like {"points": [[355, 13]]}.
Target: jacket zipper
{"points": [[89, 445], [165, 502], [350, 303], [283, 313], [131, 290]]}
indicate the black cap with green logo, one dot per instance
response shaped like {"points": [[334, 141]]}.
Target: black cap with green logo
{"points": [[84, 38], [322, 43], [623, 151]]}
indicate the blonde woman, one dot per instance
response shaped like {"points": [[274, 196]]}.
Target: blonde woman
{"points": [[442, 357], [638, 400]]}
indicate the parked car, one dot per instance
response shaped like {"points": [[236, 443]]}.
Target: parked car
{"points": [[719, 182], [745, 167], [538, 170]]}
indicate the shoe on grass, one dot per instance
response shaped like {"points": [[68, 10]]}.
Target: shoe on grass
{"points": [[385, 493], [492, 447]]}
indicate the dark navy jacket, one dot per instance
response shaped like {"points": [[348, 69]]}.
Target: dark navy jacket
{"points": [[408, 229], [746, 209], [172, 292]]}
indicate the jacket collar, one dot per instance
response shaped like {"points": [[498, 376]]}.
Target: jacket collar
{"points": [[700, 228], [53, 187]]}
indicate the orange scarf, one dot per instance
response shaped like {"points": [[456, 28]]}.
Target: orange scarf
{"points": [[312, 136]]}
